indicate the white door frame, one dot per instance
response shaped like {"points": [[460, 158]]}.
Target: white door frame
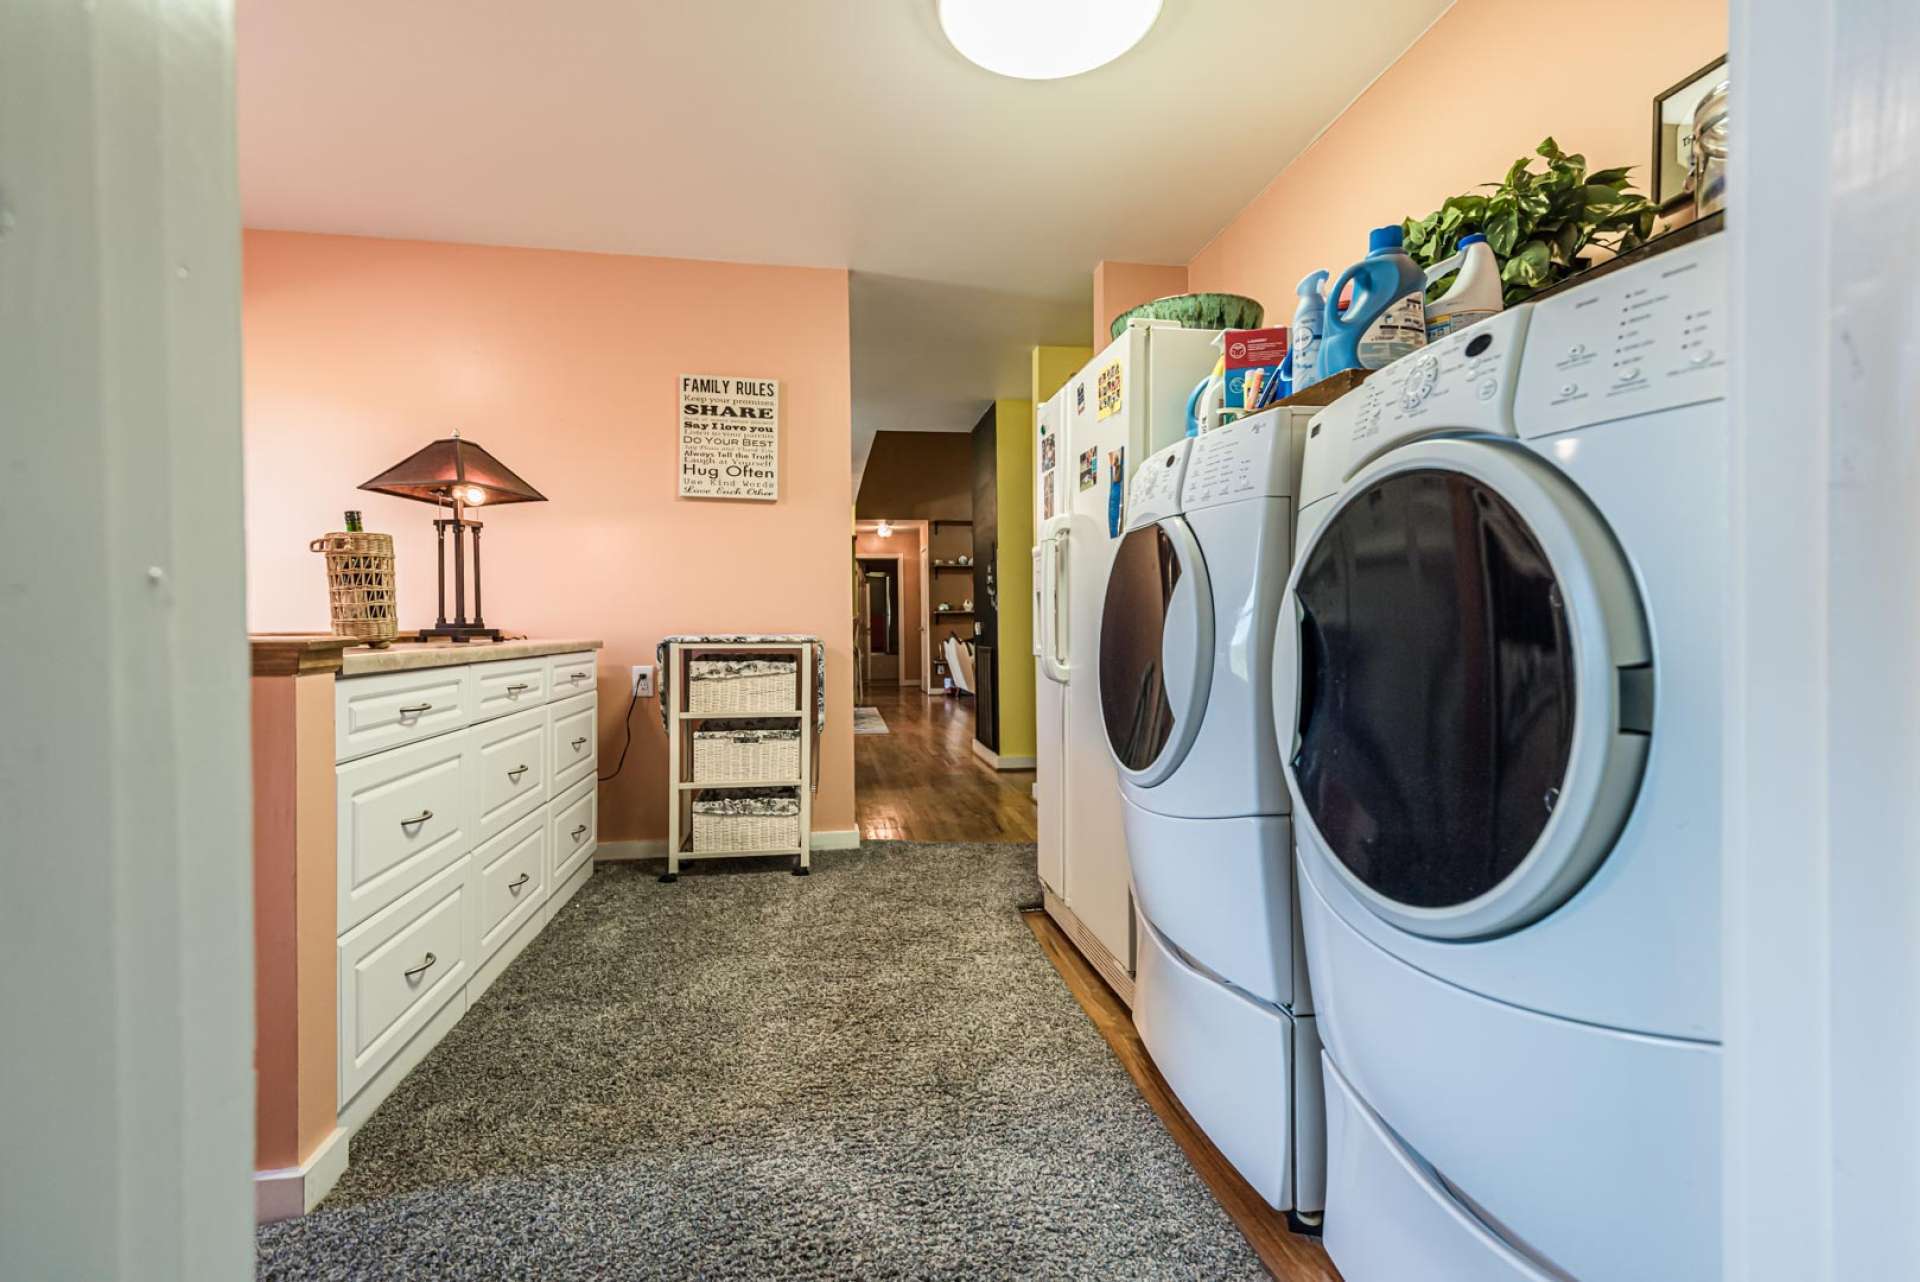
{"points": [[1822, 1154], [126, 933]]}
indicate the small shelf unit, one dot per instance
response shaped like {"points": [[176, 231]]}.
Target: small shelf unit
{"points": [[682, 788]]}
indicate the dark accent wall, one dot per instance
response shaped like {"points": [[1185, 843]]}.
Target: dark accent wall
{"points": [[986, 529], [917, 476]]}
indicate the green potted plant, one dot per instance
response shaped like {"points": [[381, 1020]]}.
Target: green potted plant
{"points": [[1538, 223]]}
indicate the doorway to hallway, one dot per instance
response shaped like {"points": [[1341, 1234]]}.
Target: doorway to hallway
{"points": [[921, 781]]}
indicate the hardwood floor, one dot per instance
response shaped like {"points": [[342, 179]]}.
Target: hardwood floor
{"points": [[1287, 1255], [921, 781]]}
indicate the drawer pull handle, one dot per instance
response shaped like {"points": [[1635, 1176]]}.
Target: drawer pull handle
{"points": [[577, 831], [577, 742], [421, 969], [515, 773], [518, 882], [516, 688], [413, 708], [576, 676], [417, 820]]}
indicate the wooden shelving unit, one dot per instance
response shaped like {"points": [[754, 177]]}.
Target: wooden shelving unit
{"points": [[952, 579], [681, 724]]}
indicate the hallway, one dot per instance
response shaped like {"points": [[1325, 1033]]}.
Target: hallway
{"points": [[921, 781]]}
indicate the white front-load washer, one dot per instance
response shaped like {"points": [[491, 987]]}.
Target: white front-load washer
{"points": [[1497, 688], [1184, 667]]}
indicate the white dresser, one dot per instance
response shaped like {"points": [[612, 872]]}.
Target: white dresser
{"points": [[466, 817]]}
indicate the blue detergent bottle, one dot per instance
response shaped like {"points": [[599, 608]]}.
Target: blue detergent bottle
{"points": [[1387, 316], [1303, 344]]}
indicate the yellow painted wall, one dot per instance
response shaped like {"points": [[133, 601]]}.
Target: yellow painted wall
{"points": [[1013, 570], [1013, 573]]}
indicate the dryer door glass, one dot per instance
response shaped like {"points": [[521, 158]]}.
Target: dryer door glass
{"points": [[1133, 692], [1437, 687]]}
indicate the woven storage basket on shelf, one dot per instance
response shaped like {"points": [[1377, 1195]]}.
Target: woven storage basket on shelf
{"points": [[746, 754], [360, 585], [741, 687], [746, 821]]}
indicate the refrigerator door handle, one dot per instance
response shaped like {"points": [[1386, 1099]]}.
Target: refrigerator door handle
{"points": [[1039, 599], [1055, 568]]}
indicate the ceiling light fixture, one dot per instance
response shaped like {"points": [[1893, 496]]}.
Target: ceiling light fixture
{"points": [[1046, 39], [884, 530]]}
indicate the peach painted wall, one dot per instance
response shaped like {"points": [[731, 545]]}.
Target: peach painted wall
{"points": [[1485, 84], [565, 366], [1118, 286]]}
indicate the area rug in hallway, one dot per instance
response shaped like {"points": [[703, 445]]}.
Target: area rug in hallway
{"points": [[869, 721], [871, 1072]]}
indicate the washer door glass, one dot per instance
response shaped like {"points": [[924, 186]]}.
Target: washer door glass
{"points": [[1437, 691], [1155, 648]]}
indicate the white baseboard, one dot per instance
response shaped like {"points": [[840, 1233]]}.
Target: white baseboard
{"points": [[1000, 762], [656, 847], [613, 852], [295, 1190]]}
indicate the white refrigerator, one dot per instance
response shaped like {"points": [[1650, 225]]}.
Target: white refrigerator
{"points": [[1127, 402]]}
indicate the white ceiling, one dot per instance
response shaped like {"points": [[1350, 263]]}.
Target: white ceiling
{"points": [[813, 132]]}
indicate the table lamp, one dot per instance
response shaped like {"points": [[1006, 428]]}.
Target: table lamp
{"points": [[456, 474]]}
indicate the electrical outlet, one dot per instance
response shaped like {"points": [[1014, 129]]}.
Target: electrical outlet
{"points": [[643, 680]]}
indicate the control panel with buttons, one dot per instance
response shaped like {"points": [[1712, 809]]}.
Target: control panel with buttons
{"points": [[1253, 457], [1155, 492], [1463, 383], [1644, 338]]}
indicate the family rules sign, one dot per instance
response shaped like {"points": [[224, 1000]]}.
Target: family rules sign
{"points": [[729, 438]]}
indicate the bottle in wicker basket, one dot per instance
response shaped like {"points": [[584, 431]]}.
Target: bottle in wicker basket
{"points": [[360, 594]]}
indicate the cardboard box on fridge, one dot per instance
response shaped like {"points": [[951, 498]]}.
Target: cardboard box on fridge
{"points": [[1253, 361]]}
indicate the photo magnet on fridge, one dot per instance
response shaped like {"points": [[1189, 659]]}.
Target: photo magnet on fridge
{"points": [[1089, 468]]}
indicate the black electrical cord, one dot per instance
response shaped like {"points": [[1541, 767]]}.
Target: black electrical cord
{"points": [[629, 743]]}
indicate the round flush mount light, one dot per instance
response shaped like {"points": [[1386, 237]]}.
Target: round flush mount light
{"points": [[884, 530], [1046, 39]]}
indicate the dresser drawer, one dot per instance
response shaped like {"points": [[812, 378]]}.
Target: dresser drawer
{"points": [[508, 686], [397, 969], [391, 708], [400, 817], [511, 761], [575, 741], [570, 674], [511, 872], [576, 829]]}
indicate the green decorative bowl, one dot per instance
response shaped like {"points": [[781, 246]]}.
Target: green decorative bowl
{"points": [[1197, 311]]}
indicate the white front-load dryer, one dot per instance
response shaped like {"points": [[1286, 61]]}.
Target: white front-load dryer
{"points": [[1184, 672], [1497, 691]]}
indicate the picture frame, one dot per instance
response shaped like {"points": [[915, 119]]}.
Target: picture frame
{"points": [[1673, 135]]}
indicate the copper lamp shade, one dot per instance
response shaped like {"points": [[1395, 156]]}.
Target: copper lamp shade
{"points": [[460, 475], [443, 469]]}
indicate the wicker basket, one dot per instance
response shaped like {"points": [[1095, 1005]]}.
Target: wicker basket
{"points": [[746, 821], [746, 754], [741, 687], [360, 585]]}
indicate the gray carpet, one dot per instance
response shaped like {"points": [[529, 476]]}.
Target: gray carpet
{"points": [[871, 1072]]}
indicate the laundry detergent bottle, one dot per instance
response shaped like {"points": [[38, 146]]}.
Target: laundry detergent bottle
{"points": [[1475, 294], [1387, 316], [1303, 350]]}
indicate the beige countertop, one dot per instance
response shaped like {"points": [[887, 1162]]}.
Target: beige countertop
{"points": [[402, 655]]}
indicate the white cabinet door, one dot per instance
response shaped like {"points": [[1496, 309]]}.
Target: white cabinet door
{"points": [[511, 872], [508, 686], [399, 968], [511, 761], [575, 829], [401, 817], [570, 674], [391, 708], [575, 741]]}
